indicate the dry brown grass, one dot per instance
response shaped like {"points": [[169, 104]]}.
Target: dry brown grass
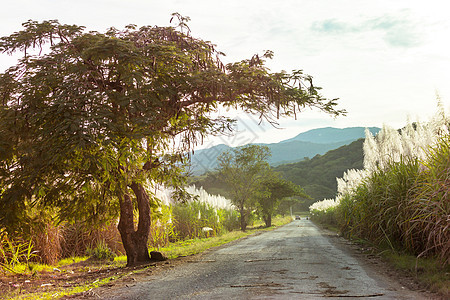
{"points": [[47, 241]]}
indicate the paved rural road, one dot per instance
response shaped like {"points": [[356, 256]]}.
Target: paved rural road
{"points": [[295, 261]]}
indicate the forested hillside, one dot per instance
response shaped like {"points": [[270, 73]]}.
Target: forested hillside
{"points": [[316, 175], [303, 146]]}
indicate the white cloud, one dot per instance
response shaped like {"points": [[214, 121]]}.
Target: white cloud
{"points": [[397, 31], [384, 59]]}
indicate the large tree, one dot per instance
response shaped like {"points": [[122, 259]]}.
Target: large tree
{"points": [[87, 119]]}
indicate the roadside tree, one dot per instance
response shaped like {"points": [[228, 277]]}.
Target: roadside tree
{"points": [[88, 119], [242, 170], [272, 190]]}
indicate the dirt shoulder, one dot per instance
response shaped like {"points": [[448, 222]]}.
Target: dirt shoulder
{"points": [[80, 274], [90, 274], [368, 256], [144, 273]]}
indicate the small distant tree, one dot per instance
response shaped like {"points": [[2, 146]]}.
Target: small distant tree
{"points": [[271, 191], [242, 170]]}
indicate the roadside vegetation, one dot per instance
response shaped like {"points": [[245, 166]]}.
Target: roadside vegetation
{"points": [[253, 186], [317, 176], [92, 123], [95, 135], [198, 245], [96, 129], [22, 276], [400, 201]]}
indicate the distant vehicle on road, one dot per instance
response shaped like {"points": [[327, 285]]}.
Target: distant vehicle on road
{"points": [[298, 218]]}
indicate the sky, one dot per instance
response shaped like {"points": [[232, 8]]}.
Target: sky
{"points": [[386, 60]]}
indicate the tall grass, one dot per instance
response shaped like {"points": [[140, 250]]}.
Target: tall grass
{"points": [[77, 238], [162, 230], [199, 219], [324, 211], [378, 207], [428, 229], [405, 205], [14, 253], [47, 240], [402, 198], [204, 217]]}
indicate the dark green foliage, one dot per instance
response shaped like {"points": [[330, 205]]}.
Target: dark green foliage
{"points": [[101, 251], [318, 175], [271, 191], [242, 170]]}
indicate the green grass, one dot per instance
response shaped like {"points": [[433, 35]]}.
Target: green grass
{"points": [[428, 271], [30, 268], [194, 246], [60, 292], [71, 260], [280, 221]]}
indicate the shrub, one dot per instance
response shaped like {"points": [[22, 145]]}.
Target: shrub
{"points": [[78, 237], [47, 239], [229, 219], [324, 211], [191, 217], [14, 253], [101, 251]]}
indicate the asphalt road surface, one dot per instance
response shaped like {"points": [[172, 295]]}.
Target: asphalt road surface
{"points": [[295, 261]]}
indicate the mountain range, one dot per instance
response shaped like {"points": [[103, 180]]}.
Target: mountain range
{"points": [[303, 146]]}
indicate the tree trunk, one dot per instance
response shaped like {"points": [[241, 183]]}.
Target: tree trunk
{"points": [[243, 221], [135, 241], [268, 220]]}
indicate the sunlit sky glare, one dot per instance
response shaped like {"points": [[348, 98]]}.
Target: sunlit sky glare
{"points": [[384, 59]]}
